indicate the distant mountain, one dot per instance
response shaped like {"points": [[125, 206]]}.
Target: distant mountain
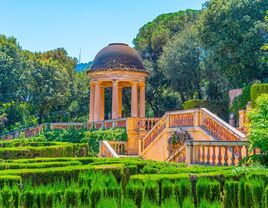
{"points": [[83, 66]]}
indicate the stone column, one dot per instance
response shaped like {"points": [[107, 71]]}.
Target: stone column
{"points": [[102, 103], [120, 90], [142, 100], [97, 102], [92, 100], [134, 100], [115, 100]]}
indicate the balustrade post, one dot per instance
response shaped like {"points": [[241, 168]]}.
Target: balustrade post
{"points": [[198, 154], [239, 154], [208, 155], [225, 155], [219, 156], [203, 154], [246, 151], [233, 156], [213, 155]]}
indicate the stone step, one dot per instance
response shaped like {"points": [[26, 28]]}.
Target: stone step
{"points": [[129, 156]]}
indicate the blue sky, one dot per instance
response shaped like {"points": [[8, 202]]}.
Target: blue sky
{"points": [[88, 25]]}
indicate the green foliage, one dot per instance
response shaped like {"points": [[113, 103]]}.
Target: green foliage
{"points": [[188, 203], [195, 103], [208, 190], [231, 33], [207, 204], [241, 101], [127, 203], [103, 203], [266, 197], [151, 191], [258, 132], [231, 194], [170, 202], [183, 190], [256, 90], [134, 191], [167, 190]]}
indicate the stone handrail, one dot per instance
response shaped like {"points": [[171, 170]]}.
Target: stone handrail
{"points": [[145, 123], [152, 134], [120, 147], [106, 150], [106, 124], [27, 132], [66, 125], [216, 152], [219, 128]]}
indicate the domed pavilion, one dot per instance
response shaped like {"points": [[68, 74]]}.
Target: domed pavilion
{"points": [[117, 66]]}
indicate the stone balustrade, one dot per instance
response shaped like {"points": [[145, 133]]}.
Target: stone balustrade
{"points": [[216, 152], [106, 150], [219, 128], [27, 132], [145, 124], [120, 147]]}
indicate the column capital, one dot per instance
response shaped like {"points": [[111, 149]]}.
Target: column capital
{"points": [[142, 84]]}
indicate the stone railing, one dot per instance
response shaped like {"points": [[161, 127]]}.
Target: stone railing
{"points": [[216, 152], [66, 125], [120, 147], [27, 132], [203, 118], [145, 124], [153, 133], [218, 128], [106, 150], [107, 124]]}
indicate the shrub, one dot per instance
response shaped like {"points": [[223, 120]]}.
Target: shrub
{"points": [[241, 193], [167, 190], [208, 190], [256, 90], [72, 197], [257, 189], [195, 103], [170, 202], [207, 204], [151, 191], [188, 203], [258, 131], [241, 101], [148, 204], [266, 197], [182, 190], [127, 203], [134, 191], [231, 194], [107, 202]]}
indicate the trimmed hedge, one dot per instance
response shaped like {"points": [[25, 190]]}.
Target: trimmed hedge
{"points": [[256, 90], [231, 194], [207, 190], [58, 149], [194, 103]]}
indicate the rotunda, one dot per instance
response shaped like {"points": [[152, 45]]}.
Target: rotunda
{"points": [[117, 66]]}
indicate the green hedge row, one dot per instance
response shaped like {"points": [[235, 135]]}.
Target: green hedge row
{"points": [[56, 150], [256, 90]]}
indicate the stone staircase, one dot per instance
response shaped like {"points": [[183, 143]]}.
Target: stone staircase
{"points": [[212, 140]]}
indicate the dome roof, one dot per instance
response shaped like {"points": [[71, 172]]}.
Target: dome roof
{"points": [[117, 56]]}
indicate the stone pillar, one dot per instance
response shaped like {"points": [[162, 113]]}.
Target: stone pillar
{"points": [[92, 100], [142, 100], [115, 100], [120, 90], [134, 100], [102, 103], [97, 102]]}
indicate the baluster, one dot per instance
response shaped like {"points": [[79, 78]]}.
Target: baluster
{"points": [[233, 155], [198, 155], [203, 155], [225, 155], [239, 154], [213, 155], [208, 155], [219, 156], [246, 147]]}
